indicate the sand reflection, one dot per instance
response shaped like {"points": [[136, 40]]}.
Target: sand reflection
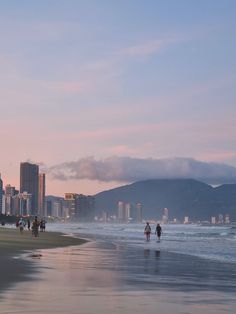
{"points": [[101, 278]]}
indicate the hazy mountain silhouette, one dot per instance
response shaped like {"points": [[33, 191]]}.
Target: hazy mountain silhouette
{"points": [[183, 197]]}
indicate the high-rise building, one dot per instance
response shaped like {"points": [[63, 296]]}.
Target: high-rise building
{"points": [[1, 194], [80, 207], [121, 211], [41, 195], [138, 213], [165, 216], [70, 200], [10, 191], [85, 207], [29, 183], [128, 209]]}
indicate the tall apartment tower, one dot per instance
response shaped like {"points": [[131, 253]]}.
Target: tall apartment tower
{"points": [[29, 182], [41, 195], [1, 194], [121, 211], [139, 213]]}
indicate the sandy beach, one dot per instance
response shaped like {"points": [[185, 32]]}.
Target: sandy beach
{"points": [[12, 244], [104, 277]]}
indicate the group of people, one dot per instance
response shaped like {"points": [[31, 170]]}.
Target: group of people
{"points": [[148, 231], [35, 226]]}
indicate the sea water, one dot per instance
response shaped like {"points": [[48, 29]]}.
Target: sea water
{"points": [[119, 272], [209, 242]]}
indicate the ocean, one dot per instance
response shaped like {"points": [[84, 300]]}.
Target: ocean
{"points": [[213, 242], [191, 271]]}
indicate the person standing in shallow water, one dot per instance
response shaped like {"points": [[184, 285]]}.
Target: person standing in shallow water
{"points": [[147, 231], [158, 232]]}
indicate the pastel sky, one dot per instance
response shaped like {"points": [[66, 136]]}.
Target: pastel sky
{"points": [[100, 79]]}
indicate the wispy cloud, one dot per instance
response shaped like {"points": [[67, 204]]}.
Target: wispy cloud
{"points": [[126, 169], [149, 47], [69, 87]]}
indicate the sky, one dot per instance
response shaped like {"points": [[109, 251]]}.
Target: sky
{"points": [[86, 85]]}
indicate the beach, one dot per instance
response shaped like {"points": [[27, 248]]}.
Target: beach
{"points": [[13, 244], [103, 276]]}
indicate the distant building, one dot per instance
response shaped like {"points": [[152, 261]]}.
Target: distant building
{"points": [[128, 210], [121, 211], [186, 220], [221, 219], [138, 217], [227, 220], [213, 220], [165, 216], [10, 192], [29, 182], [3, 204], [1, 194], [21, 204], [48, 208], [104, 216], [57, 209], [70, 200], [41, 195], [85, 207], [80, 207]]}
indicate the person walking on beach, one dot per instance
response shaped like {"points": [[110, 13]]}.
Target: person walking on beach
{"points": [[42, 225], [147, 231], [35, 227], [158, 232], [21, 225], [28, 224]]}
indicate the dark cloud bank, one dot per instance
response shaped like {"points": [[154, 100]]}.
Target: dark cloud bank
{"points": [[127, 169]]}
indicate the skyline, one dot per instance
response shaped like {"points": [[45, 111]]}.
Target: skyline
{"points": [[115, 79]]}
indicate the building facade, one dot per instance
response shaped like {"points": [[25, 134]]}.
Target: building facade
{"points": [[10, 192], [138, 213], [1, 194], [29, 182], [41, 195], [80, 207]]}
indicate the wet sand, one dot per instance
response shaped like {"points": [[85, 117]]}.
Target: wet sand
{"points": [[103, 277], [12, 244]]}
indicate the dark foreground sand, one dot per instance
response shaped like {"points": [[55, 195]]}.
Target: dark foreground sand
{"points": [[106, 277], [12, 244]]}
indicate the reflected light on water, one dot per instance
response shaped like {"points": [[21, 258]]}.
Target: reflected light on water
{"points": [[100, 278]]}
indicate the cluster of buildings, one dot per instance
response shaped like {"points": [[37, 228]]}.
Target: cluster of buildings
{"points": [[30, 199], [127, 212]]}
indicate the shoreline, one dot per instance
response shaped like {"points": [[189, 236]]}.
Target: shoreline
{"points": [[102, 277], [13, 244]]}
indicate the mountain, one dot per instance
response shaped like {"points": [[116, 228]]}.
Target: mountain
{"points": [[183, 197]]}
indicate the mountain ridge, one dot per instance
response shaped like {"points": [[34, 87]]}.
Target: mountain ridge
{"points": [[183, 197]]}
